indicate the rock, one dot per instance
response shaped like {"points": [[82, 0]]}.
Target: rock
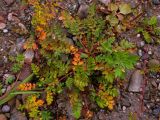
{"points": [[142, 43], [28, 56], [150, 52], [5, 30], [140, 52], [16, 115], [153, 63], [106, 2], [124, 108], [82, 11], [136, 81], [138, 35], [12, 17], [156, 2], [3, 117], [5, 108], [9, 2], [2, 25]]}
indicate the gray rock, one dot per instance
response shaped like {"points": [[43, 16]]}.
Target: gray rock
{"points": [[140, 52], [6, 108], [3, 117], [124, 108], [106, 2], [136, 81], [142, 43], [5, 30], [16, 115], [9, 2], [2, 25], [82, 11]]}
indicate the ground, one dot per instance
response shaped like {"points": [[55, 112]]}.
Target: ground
{"points": [[142, 105]]}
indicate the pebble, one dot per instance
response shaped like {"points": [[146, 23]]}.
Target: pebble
{"points": [[2, 26], [3, 117], [124, 108], [140, 52], [135, 81], [150, 52], [82, 11], [142, 43], [6, 108], [5, 30], [106, 2], [9, 2], [138, 35]]}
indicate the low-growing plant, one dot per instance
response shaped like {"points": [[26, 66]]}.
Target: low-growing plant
{"points": [[149, 29], [92, 57], [18, 62]]}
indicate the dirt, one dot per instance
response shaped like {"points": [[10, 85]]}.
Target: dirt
{"points": [[142, 106]]}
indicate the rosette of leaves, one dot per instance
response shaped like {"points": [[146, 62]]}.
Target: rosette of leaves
{"points": [[103, 59]]}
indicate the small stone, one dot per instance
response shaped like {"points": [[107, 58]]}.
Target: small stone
{"points": [[136, 81], [3, 117], [5, 108], [5, 30], [2, 25], [142, 43], [124, 108], [138, 35], [150, 52], [82, 11], [140, 52], [106, 2], [9, 2]]}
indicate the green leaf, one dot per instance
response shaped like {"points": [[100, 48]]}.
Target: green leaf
{"points": [[125, 8], [118, 72], [113, 20], [112, 7], [146, 36], [152, 21]]}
